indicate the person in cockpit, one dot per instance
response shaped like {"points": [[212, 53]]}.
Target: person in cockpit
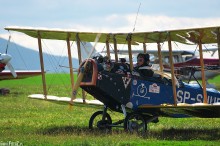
{"points": [[143, 67]]}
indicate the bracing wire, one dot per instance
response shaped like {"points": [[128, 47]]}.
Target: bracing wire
{"points": [[84, 48], [111, 47], [176, 45], [134, 22], [136, 17], [20, 56], [53, 61], [207, 49], [103, 49], [195, 49], [19, 52]]}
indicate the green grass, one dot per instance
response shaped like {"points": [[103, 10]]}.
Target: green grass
{"points": [[37, 122], [215, 81]]}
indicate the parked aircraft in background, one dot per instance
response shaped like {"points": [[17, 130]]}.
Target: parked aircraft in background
{"points": [[184, 61], [11, 73], [6, 75], [5, 61]]}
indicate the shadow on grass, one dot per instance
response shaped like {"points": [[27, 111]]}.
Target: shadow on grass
{"points": [[71, 130], [185, 134], [164, 134]]}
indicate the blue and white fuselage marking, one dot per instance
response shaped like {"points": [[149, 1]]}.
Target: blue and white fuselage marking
{"points": [[151, 93]]}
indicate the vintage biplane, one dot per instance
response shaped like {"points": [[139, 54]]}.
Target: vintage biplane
{"points": [[140, 99]]}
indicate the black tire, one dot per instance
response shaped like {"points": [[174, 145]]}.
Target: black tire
{"points": [[96, 121], [135, 123]]}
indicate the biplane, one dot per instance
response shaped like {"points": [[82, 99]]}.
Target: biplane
{"points": [[140, 99]]}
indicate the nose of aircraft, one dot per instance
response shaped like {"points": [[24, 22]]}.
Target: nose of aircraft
{"points": [[5, 58]]}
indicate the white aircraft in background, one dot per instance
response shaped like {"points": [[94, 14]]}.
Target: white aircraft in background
{"points": [[11, 73], [5, 61], [184, 61]]}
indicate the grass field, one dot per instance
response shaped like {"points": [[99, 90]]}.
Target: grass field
{"points": [[36, 122]]}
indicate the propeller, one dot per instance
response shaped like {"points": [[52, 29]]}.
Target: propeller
{"points": [[5, 58], [81, 73], [10, 67]]}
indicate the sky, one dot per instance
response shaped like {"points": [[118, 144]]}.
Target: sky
{"points": [[102, 15], [114, 14]]}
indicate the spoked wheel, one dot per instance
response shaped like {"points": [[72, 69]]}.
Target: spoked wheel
{"points": [[96, 121], [135, 123]]}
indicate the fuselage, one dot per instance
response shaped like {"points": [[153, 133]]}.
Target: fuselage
{"points": [[147, 94]]}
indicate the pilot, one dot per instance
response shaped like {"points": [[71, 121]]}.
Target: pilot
{"points": [[143, 67], [123, 63], [99, 61], [107, 64], [122, 67]]}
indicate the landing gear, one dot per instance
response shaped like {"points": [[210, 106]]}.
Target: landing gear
{"points": [[135, 122], [100, 121]]}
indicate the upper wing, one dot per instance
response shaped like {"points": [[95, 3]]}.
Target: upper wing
{"points": [[207, 35], [62, 34], [6, 75]]}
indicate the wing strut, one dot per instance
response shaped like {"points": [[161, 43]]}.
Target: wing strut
{"points": [[144, 43], [115, 49], [172, 69], [42, 65], [129, 51], [160, 56], [70, 59], [107, 47], [145, 47], [159, 53], [202, 69], [80, 61]]}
